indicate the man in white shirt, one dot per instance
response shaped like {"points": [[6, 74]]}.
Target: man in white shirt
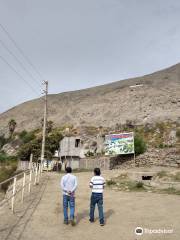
{"points": [[97, 184], [69, 185]]}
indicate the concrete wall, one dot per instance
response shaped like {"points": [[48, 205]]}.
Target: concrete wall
{"points": [[73, 162], [67, 147], [23, 165], [91, 163]]}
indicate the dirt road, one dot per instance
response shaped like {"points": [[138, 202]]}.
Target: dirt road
{"points": [[124, 211]]}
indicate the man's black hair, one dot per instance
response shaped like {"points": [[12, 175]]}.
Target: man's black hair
{"points": [[97, 171], [69, 170]]}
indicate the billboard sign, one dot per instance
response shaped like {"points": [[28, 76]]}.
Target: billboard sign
{"points": [[122, 143]]}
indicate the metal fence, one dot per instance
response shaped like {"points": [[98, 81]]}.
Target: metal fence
{"points": [[20, 183]]}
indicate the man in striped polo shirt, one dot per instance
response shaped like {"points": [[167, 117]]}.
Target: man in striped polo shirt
{"points": [[97, 184]]}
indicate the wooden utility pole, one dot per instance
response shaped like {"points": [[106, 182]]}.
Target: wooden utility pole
{"points": [[45, 121]]}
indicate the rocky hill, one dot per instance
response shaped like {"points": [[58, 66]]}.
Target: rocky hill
{"points": [[147, 99]]}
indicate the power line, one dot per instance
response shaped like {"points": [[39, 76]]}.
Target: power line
{"points": [[12, 54], [21, 51], [13, 69]]}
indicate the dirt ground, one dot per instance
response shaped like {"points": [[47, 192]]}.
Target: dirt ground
{"points": [[41, 216]]}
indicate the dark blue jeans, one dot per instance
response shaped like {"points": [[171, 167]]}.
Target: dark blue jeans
{"points": [[68, 201], [97, 198]]}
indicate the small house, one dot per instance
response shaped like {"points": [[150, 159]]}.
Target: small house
{"points": [[70, 151]]}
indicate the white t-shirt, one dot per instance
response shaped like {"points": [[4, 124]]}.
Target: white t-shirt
{"points": [[97, 184]]}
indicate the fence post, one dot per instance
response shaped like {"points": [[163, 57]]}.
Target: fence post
{"points": [[13, 194], [30, 179], [31, 161], [35, 179], [38, 173], [86, 164], [23, 186], [41, 168]]}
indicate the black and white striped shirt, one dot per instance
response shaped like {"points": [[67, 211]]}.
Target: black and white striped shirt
{"points": [[97, 184]]}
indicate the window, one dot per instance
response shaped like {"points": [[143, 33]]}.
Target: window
{"points": [[77, 143]]}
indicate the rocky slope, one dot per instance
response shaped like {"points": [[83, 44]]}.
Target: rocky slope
{"points": [[147, 99]]}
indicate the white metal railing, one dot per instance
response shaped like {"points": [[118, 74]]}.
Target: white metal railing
{"points": [[21, 182]]}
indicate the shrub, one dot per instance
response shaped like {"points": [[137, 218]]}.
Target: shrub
{"points": [[26, 136], [3, 141], [161, 145], [89, 154], [139, 185], [176, 177], [5, 158], [162, 174], [178, 133], [110, 182], [140, 145]]}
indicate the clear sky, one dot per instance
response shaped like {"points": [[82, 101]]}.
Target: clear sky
{"points": [[77, 44]]}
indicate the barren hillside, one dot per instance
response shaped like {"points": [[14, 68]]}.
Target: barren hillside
{"points": [[156, 99]]}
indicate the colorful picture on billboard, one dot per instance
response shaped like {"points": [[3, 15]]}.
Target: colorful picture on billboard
{"points": [[122, 143]]}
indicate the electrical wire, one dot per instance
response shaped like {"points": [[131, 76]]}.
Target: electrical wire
{"points": [[21, 64], [13, 69], [21, 51]]}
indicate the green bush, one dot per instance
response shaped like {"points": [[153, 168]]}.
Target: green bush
{"points": [[140, 145], [161, 145], [8, 166], [140, 185], [110, 182], [26, 136], [5, 158], [3, 141], [178, 133]]}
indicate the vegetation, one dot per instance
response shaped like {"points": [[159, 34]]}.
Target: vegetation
{"points": [[178, 134], [12, 125], [8, 165], [140, 145], [89, 154], [34, 146], [124, 183], [176, 177], [49, 125], [26, 137], [155, 135], [110, 182], [3, 141], [162, 174], [170, 190]]}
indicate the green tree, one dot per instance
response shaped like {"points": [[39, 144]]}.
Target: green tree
{"points": [[49, 125], [34, 147], [26, 149], [52, 141], [26, 136], [12, 126]]}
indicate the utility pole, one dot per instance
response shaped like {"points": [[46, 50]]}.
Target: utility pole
{"points": [[45, 120]]}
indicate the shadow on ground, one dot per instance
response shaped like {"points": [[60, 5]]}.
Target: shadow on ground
{"points": [[85, 214]]}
